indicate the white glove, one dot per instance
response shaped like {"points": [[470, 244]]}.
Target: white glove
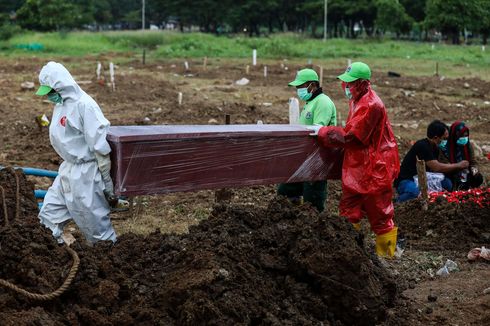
{"points": [[474, 170], [314, 129], [104, 163]]}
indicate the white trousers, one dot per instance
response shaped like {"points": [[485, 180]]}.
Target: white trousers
{"points": [[78, 193]]}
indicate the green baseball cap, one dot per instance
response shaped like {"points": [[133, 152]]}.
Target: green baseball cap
{"points": [[303, 76], [43, 90], [357, 70]]}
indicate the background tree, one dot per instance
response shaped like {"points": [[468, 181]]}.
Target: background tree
{"points": [[451, 17], [391, 16], [48, 15]]}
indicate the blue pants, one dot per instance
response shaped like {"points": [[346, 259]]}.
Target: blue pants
{"points": [[407, 189]]}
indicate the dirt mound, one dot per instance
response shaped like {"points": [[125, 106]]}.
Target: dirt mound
{"points": [[19, 196], [444, 226], [274, 265]]}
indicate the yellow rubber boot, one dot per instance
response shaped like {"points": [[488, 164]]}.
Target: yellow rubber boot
{"points": [[357, 226], [386, 243]]}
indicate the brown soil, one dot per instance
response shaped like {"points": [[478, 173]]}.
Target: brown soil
{"points": [[274, 266], [444, 226]]}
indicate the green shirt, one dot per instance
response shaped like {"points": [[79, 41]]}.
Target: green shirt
{"points": [[319, 111]]}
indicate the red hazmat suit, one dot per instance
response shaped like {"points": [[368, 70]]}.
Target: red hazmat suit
{"points": [[371, 161]]}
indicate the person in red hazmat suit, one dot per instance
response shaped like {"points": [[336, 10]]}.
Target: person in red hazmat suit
{"points": [[371, 162]]}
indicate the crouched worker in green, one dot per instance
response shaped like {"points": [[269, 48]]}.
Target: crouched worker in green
{"points": [[319, 110]]}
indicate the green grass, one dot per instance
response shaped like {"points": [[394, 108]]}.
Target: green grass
{"points": [[159, 45]]}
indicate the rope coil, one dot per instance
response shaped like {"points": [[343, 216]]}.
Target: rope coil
{"points": [[73, 269], [57, 292]]}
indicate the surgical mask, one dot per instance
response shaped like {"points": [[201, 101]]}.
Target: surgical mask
{"points": [[55, 98], [348, 94], [462, 141], [443, 144], [303, 93]]}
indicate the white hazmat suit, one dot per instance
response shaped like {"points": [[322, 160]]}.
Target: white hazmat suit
{"points": [[78, 134]]}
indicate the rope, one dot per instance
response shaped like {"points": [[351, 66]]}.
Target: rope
{"points": [[17, 195], [56, 293], [4, 203], [17, 200]]}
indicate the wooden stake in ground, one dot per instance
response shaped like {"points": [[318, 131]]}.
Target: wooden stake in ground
{"points": [[422, 175], [254, 57], [98, 70], [186, 65], [265, 71], [179, 98], [111, 71], [205, 63], [321, 75], [247, 70], [224, 194]]}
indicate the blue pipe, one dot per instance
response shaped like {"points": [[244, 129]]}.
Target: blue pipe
{"points": [[39, 193], [40, 172], [36, 172]]}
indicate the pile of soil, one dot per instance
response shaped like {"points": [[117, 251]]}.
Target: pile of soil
{"points": [[444, 226], [273, 265]]}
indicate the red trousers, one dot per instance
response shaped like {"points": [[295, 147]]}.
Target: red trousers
{"points": [[378, 208]]}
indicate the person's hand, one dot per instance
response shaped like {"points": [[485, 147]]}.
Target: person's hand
{"points": [[474, 170], [314, 129], [111, 197], [463, 164]]}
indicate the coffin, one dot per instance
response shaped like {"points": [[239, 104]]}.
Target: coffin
{"points": [[171, 158]]}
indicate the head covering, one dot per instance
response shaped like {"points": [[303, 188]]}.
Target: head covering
{"points": [[457, 152], [55, 76], [357, 70], [303, 76]]}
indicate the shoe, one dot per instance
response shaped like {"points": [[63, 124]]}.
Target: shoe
{"points": [[386, 243]]}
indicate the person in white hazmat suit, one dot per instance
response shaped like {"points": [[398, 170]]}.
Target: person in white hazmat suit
{"points": [[83, 189]]}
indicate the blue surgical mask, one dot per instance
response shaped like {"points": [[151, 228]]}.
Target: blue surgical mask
{"points": [[443, 144], [303, 93], [55, 98], [462, 141], [348, 94]]}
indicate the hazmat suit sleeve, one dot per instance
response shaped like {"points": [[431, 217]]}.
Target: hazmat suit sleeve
{"points": [[363, 124], [95, 127]]}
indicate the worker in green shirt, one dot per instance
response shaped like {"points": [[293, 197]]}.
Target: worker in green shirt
{"points": [[320, 111]]}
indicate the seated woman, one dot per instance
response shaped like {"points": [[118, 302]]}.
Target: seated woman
{"points": [[459, 148]]}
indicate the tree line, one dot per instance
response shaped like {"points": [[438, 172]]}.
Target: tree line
{"points": [[346, 18]]}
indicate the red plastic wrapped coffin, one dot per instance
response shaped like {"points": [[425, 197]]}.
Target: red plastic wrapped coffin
{"points": [[163, 159]]}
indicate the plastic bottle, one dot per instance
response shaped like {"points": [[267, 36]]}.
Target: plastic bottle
{"points": [[293, 111]]}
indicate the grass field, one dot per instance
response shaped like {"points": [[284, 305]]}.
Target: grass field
{"points": [[409, 57]]}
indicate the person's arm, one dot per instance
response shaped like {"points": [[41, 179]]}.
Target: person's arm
{"points": [[473, 163], [95, 132], [360, 128], [436, 166], [324, 113]]}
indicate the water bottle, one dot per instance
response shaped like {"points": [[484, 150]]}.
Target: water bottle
{"points": [[293, 111]]}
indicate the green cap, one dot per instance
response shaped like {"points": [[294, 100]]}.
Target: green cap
{"points": [[43, 90], [357, 70], [303, 76]]}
